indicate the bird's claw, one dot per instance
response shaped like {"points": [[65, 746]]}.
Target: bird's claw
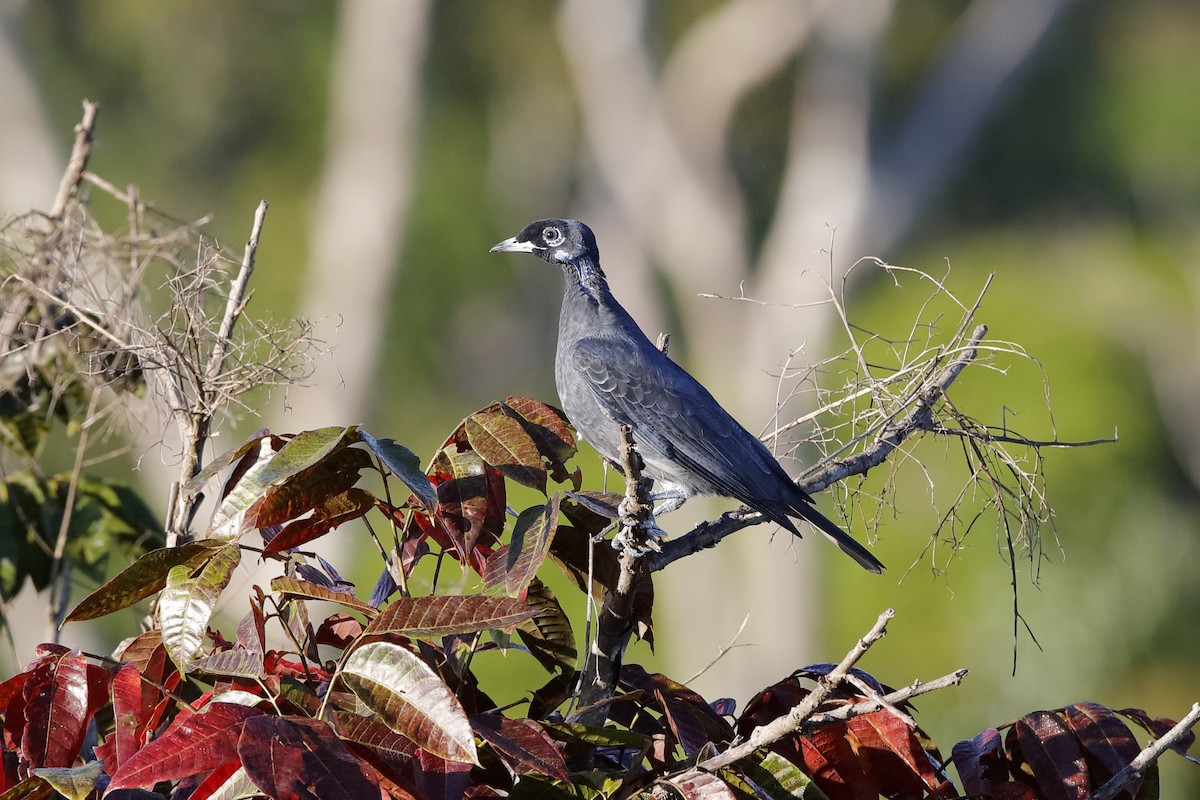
{"points": [[638, 539]]}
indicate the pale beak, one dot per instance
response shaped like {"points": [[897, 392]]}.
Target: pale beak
{"points": [[513, 246]]}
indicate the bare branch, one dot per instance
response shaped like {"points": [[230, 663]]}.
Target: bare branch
{"points": [[617, 618], [80, 153], [803, 716], [1148, 756]]}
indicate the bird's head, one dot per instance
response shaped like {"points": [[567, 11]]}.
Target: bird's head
{"points": [[558, 241]]}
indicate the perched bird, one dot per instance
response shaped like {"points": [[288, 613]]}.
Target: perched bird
{"points": [[609, 374]]}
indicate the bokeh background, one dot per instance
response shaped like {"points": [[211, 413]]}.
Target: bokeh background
{"points": [[756, 146]]}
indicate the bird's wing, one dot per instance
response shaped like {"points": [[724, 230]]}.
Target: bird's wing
{"points": [[673, 416]]}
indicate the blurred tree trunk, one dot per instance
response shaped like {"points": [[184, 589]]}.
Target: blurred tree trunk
{"points": [[358, 217]]}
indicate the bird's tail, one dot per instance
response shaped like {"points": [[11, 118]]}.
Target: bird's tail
{"points": [[833, 533]]}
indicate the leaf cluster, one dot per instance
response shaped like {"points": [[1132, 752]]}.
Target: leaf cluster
{"points": [[381, 697]]}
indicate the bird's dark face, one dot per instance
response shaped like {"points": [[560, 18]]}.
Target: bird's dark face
{"points": [[558, 241]]}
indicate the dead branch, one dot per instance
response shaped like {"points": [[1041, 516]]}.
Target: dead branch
{"points": [[81, 151], [1148, 756], [803, 717], [919, 418]]}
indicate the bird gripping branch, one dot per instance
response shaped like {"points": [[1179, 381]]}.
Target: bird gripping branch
{"points": [[609, 374]]}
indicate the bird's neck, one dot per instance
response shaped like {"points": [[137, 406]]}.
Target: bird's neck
{"points": [[586, 281]]}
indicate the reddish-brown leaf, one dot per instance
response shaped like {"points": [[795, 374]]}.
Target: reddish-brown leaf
{"points": [[893, 753], [339, 630], [311, 488], [496, 434], [1054, 756], [1105, 739], [522, 744], [190, 746], [830, 757], [56, 710], [410, 698], [293, 757], [570, 550], [329, 513], [470, 498], [548, 428], [443, 615], [291, 587], [1158, 727], [514, 566]]}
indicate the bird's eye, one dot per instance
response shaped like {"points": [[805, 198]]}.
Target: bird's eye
{"points": [[552, 236]]}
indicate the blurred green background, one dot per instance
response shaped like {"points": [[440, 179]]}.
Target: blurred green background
{"points": [[756, 146]]}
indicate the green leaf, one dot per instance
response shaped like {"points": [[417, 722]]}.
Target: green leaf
{"points": [[305, 450], [777, 778], [141, 579], [405, 465], [410, 698], [432, 617], [500, 440], [186, 604], [74, 783]]}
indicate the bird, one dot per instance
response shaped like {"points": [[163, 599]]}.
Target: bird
{"points": [[609, 374]]}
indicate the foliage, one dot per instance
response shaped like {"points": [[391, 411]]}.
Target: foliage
{"points": [[381, 695]]}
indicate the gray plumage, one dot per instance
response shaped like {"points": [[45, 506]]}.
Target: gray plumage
{"points": [[608, 373]]}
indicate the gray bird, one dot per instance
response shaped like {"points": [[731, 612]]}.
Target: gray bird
{"points": [[608, 374]]}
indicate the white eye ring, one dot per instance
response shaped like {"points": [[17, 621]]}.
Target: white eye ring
{"points": [[552, 236]]}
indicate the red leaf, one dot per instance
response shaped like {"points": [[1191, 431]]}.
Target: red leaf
{"points": [[829, 757], [55, 711], [310, 488], [522, 744], [891, 750], [470, 498], [338, 630], [190, 746], [129, 715], [293, 757], [329, 513], [1053, 755]]}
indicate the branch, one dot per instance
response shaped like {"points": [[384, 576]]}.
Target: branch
{"points": [[194, 420], [1144, 759], [803, 716], [919, 418], [80, 153], [618, 614]]}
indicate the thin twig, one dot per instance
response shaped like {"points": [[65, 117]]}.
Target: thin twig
{"points": [[1148, 756], [81, 151], [791, 722], [919, 418]]}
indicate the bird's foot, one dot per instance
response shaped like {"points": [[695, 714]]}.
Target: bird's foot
{"points": [[639, 540]]}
